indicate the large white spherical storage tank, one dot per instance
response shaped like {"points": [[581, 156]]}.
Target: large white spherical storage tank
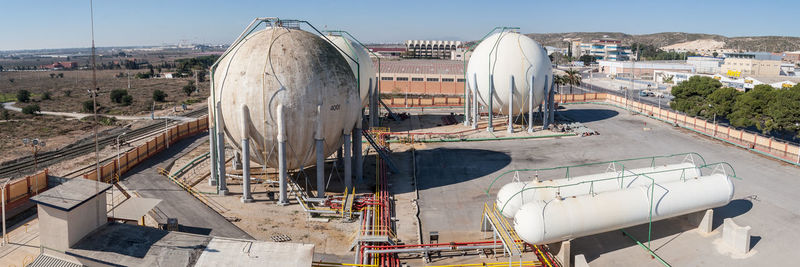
{"points": [[507, 54], [297, 70], [365, 67]]}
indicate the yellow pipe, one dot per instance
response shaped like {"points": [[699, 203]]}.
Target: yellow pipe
{"points": [[525, 263], [544, 257], [325, 264]]}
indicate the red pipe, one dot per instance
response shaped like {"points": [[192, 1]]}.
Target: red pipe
{"points": [[432, 245]]}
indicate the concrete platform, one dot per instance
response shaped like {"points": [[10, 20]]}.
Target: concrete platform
{"points": [[452, 178], [193, 216]]}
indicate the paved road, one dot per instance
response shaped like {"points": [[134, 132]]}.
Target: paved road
{"points": [[452, 179], [10, 106], [193, 216]]}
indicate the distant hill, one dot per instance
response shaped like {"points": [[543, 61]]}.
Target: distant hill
{"points": [[749, 43]]}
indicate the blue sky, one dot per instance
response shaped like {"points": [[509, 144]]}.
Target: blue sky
{"points": [[65, 23]]}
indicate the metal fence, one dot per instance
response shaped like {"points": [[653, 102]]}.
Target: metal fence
{"points": [[130, 159]]}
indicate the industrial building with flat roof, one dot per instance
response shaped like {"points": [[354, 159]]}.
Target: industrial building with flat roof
{"points": [[751, 64], [422, 77]]}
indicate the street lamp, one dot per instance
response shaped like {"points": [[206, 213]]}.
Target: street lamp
{"points": [[5, 236], [118, 149], [35, 145]]}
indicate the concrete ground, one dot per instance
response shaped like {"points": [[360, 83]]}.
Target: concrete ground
{"points": [[193, 215], [452, 178], [23, 244]]}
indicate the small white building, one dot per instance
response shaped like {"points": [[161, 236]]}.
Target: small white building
{"points": [[70, 211]]}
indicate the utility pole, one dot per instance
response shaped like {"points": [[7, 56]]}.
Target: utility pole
{"points": [[94, 96]]}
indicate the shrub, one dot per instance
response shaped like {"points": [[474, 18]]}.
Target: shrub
{"points": [[88, 105], [23, 96], [117, 95], [127, 100], [159, 95], [189, 88], [67, 93], [31, 109], [4, 114], [47, 96]]}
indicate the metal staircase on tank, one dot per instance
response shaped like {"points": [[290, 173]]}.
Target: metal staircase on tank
{"points": [[494, 221], [382, 151], [394, 115]]}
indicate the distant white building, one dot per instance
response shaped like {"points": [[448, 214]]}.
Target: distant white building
{"points": [[742, 84], [706, 65], [431, 49]]}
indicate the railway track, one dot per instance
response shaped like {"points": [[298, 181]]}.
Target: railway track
{"points": [[24, 166]]}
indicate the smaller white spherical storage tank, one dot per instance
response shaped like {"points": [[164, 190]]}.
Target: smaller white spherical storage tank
{"points": [[501, 56], [365, 67], [515, 194], [541, 222], [297, 70]]}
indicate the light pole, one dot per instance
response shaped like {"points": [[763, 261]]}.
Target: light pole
{"points": [[118, 150], [35, 145], [5, 237]]}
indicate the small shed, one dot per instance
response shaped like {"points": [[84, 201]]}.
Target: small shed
{"points": [[70, 211]]}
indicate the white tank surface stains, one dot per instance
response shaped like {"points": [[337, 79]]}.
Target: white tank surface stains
{"points": [[364, 68], [298, 70]]}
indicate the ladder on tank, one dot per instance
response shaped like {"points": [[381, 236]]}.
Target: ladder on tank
{"points": [[381, 150]]}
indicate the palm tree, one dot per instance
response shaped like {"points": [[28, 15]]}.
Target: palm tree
{"points": [[559, 81], [573, 78]]}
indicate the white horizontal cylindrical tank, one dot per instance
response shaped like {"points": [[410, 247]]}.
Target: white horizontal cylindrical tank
{"points": [[365, 67], [517, 194], [542, 222], [507, 54], [295, 69]]}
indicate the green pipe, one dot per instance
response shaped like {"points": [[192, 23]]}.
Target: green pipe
{"points": [[194, 161], [484, 139], [652, 253]]}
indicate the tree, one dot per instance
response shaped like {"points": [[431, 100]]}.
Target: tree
{"points": [[60, 75], [67, 93], [52, 75], [159, 95], [750, 108], [11, 80], [46, 96], [573, 78], [127, 100], [87, 105], [201, 76], [23, 96], [668, 78], [31, 109], [784, 111], [117, 95], [721, 101], [715, 54], [189, 88], [690, 95], [559, 81]]}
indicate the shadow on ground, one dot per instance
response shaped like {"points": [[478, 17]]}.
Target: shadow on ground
{"points": [[593, 246], [588, 115], [445, 166]]}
